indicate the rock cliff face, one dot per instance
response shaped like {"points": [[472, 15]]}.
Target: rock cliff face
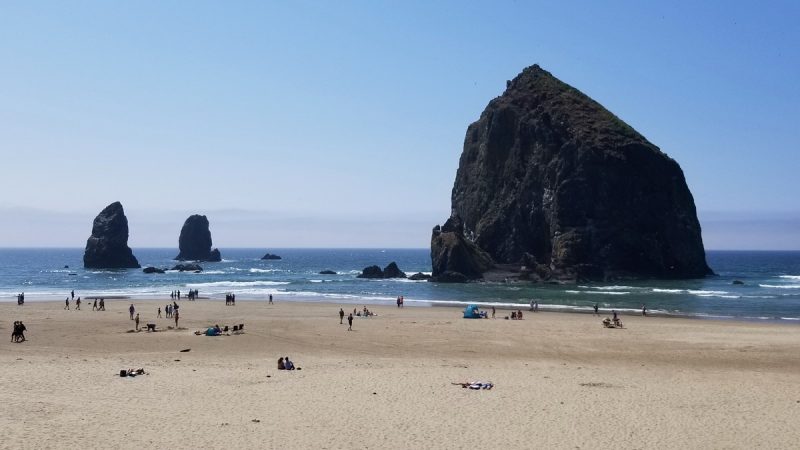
{"points": [[107, 247], [551, 185], [195, 241]]}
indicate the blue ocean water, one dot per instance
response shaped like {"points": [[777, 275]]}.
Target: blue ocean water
{"points": [[771, 289]]}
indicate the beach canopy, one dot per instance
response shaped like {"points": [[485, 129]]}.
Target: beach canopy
{"points": [[472, 312]]}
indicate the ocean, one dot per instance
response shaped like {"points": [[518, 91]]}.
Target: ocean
{"points": [[771, 289]]}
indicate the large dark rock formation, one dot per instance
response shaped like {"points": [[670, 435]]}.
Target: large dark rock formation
{"points": [[107, 247], [552, 181], [151, 269], [195, 241], [271, 256]]}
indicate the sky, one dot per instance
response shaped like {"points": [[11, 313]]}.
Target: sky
{"points": [[340, 124]]}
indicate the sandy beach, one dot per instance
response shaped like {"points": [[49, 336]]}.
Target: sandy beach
{"points": [[561, 380]]}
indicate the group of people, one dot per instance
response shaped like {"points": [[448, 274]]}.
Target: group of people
{"points": [[349, 319], [18, 335], [400, 300], [363, 313], [99, 306], [20, 298], [230, 299], [77, 304], [285, 364], [516, 315], [175, 295], [614, 322], [534, 306]]}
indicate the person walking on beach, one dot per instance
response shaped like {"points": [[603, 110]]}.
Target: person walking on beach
{"points": [[644, 310], [596, 309], [176, 316], [66, 306], [341, 315], [78, 304], [72, 294], [536, 306], [137, 321], [493, 312], [131, 310], [102, 305], [270, 299], [159, 312], [350, 322]]}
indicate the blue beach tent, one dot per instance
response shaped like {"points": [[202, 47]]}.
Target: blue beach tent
{"points": [[472, 312]]}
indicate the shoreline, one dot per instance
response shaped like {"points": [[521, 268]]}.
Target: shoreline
{"points": [[448, 304], [353, 300]]}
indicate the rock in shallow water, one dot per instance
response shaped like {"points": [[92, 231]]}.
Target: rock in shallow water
{"points": [[107, 247], [195, 241]]}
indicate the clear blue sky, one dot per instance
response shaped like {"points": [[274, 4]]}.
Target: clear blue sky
{"points": [[341, 123]]}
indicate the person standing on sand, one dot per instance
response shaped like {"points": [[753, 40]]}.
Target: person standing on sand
{"points": [[131, 310], [341, 315], [595, 310], [644, 310], [78, 304], [102, 304], [137, 321], [72, 294], [176, 316], [270, 299], [493, 311], [159, 312], [67, 304], [350, 322]]}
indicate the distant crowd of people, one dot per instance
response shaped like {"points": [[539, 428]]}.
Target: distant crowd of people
{"points": [[20, 298], [230, 299], [192, 295]]}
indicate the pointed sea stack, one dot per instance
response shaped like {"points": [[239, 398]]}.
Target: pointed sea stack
{"points": [[551, 185], [107, 247], [195, 241]]}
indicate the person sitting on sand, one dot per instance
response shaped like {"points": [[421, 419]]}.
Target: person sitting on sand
{"points": [[513, 315], [281, 366], [288, 365], [607, 322], [519, 314]]}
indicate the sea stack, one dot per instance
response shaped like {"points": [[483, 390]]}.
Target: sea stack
{"points": [[194, 242], [107, 247], [551, 185]]}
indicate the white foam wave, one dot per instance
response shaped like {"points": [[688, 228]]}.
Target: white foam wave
{"points": [[598, 292], [784, 286], [668, 291], [608, 288], [254, 270], [212, 272], [790, 277], [703, 293], [238, 283]]}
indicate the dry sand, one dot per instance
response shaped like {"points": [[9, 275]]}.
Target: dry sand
{"points": [[561, 380]]}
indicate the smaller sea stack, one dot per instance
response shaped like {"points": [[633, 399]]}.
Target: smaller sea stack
{"points": [[195, 241]]}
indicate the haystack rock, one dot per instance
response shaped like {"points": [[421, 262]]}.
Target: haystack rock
{"points": [[107, 247], [195, 241], [551, 185]]}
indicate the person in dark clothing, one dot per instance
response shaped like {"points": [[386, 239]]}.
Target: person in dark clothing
{"points": [[350, 322], [341, 315]]}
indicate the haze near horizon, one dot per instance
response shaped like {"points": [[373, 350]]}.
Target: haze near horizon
{"points": [[341, 125]]}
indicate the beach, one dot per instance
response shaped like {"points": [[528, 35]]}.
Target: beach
{"points": [[560, 380]]}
